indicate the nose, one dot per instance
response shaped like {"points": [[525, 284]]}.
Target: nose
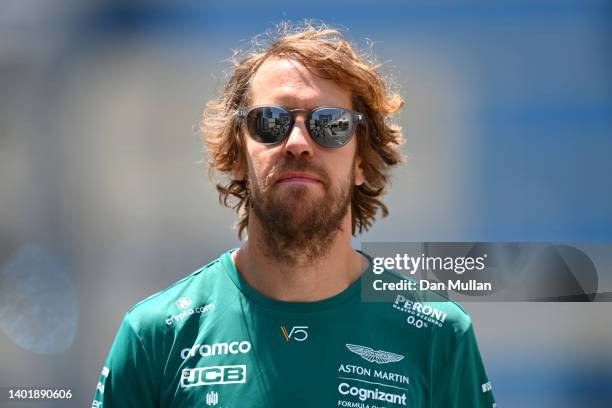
{"points": [[299, 142]]}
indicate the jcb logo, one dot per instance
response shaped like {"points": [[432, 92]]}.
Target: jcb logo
{"points": [[193, 377], [297, 333]]}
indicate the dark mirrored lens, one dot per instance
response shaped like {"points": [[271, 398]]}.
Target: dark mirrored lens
{"points": [[268, 124], [331, 127]]}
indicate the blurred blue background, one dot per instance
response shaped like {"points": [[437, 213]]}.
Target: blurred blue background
{"points": [[104, 200]]}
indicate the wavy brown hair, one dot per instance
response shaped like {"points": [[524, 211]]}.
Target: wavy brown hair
{"points": [[325, 52]]}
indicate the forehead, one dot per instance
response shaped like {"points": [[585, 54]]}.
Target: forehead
{"points": [[288, 83]]}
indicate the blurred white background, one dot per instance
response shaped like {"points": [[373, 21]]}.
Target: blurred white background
{"points": [[104, 200]]}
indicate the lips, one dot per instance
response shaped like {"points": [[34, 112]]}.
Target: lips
{"points": [[298, 176]]}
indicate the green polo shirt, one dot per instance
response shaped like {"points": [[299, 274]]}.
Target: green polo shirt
{"points": [[211, 340]]}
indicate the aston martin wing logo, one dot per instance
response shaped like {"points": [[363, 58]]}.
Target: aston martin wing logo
{"points": [[376, 356]]}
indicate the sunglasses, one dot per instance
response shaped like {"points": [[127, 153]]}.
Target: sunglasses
{"points": [[328, 126]]}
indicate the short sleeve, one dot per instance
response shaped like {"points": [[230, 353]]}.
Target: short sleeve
{"points": [[127, 378], [463, 383]]}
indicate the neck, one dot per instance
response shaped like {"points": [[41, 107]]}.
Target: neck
{"points": [[304, 280]]}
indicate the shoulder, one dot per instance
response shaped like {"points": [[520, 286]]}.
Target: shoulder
{"points": [[151, 328], [189, 296]]}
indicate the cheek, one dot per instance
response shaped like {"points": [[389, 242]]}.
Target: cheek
{"points": [[259, 165], [340, 166], [252, 157]]}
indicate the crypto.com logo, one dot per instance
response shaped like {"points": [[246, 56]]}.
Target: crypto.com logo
{"points": [[183, 302], [297, 333]]}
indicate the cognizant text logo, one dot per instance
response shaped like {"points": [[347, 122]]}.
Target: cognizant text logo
{"points": [[375, 394]]}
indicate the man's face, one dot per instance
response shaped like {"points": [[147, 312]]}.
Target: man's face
{"points": [[299, 187]]}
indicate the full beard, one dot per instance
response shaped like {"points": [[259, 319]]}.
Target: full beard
{"points": [[298, 225]]}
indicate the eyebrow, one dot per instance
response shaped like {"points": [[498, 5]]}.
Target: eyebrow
{"points": [[291, 102]]}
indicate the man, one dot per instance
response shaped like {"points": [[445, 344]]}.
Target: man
{"points": [[302, 132]]}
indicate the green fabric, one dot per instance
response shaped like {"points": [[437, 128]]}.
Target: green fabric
{"points": [[212, 340]]}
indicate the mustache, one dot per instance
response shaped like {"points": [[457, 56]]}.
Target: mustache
{"points": [[295, 165]]}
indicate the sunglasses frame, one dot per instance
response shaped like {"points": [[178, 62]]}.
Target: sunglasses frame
{"points": [[356, 117]]}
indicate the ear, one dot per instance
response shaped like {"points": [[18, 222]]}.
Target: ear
{"points": [[359, 173]]}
